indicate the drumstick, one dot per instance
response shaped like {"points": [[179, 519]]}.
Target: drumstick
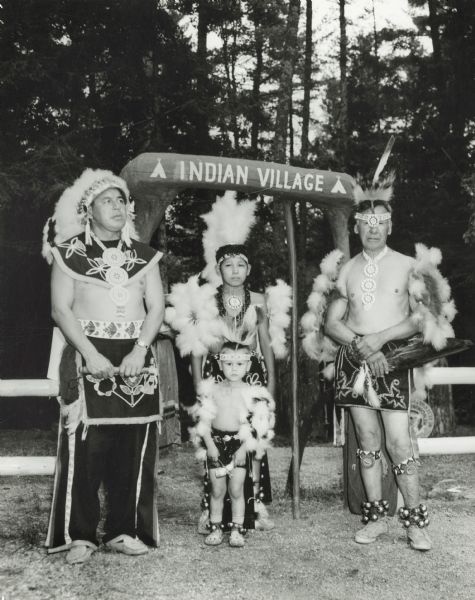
{"points": [[145, 370]]}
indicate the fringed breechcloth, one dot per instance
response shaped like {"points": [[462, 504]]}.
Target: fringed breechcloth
{"points": [[257, 375], [116, 443], [392, 389], [227, 444]]}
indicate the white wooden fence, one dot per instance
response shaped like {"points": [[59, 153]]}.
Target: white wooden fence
{"points": [[44, 465]]}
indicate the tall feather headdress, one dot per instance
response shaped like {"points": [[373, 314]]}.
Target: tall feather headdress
{"points": [[228, 222], [70, 215]]}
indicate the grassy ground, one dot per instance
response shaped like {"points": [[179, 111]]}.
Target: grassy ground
{"points": [[312, 558]]}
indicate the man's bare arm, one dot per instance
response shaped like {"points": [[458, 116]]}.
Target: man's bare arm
{"points": [[370, 343], [335, 327], [134, 362], [62, 300]]}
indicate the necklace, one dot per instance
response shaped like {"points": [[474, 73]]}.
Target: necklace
{"points": [[233, 302], [115, 275], [368, 285]]}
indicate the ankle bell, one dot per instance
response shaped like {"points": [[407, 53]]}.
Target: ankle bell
{"points": [[414, 516], [372, 511], [238, 526]]}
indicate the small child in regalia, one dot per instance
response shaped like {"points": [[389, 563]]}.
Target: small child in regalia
{"points": [[234, 419]]}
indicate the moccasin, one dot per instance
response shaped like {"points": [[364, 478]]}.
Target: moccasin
{"points": [[127, 545], [371, 532], [418, 539], [78, 554]]}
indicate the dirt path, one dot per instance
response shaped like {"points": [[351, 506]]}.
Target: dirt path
{"points": [[313, 558]]}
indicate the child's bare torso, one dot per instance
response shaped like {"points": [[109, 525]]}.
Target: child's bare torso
{"points": [[230, 407]]}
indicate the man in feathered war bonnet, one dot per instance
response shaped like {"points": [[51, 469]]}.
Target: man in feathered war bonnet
{"points": [[107, 300], [370, 316]]}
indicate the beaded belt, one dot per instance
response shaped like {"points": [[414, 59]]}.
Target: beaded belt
{"points": [[112, 330], [226, 437]]}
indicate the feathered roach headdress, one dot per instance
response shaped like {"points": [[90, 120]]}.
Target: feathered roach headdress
{"points": [[71, 215], [228, 225], [379, 193]]}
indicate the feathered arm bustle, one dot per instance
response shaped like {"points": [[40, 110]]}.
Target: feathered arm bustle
{"points": [[315, 343], [279, 302], [194, 315], [433, 309]]}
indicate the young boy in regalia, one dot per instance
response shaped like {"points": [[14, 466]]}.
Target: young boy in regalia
{"points": [[234, 419]]}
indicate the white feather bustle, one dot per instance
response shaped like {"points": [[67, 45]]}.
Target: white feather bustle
{"points": [[315, 343], [228, 222], [279, 302], [433, 309], [194, 315], [308, 321], [69, 218]]}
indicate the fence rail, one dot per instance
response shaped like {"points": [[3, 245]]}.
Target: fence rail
{"points": [[44, 465]]}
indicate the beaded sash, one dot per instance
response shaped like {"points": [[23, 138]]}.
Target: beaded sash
{"points": [[112, 330]]}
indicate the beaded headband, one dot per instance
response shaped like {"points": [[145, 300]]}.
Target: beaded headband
{"points": [[234, 357], [373, 219], [230, 250]]}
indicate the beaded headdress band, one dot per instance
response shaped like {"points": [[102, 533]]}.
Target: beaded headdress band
{"points": [[373, 219], [230, 250], [99, 186], [234, 357]]}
